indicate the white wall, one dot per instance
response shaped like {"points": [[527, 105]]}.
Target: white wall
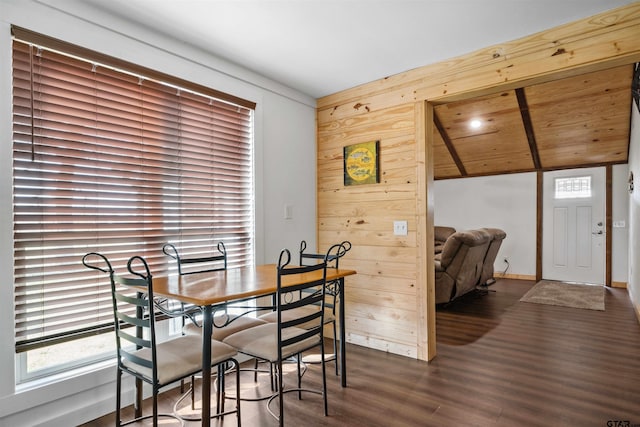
{"points": [[620, 235], [285, 173], [509, 202], [634, 212]]}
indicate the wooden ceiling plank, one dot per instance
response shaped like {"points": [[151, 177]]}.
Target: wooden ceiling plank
{"points": [[583, 118], [528, 127], [498, 143], [449, 144]]}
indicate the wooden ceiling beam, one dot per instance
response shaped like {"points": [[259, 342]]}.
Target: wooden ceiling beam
{"points": [[529, 170], [449, 144], [528, 127]]}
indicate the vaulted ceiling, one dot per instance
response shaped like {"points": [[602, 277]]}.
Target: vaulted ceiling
{"points": [[320, 47], [578, 121], [569, 123]]}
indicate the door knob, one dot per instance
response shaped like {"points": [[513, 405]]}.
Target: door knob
{"points": [[597, 232], [600, 224]]}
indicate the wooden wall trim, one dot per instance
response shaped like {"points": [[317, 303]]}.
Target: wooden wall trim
{"points": [[539, 222], [519, 276], [587, 165], [596, 43], [608, 225], [425, 245]]}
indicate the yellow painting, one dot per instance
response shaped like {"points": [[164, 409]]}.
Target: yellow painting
{"points": [[361, 163]]}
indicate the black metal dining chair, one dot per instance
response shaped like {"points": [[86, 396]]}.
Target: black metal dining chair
{"points": [[290, 335], [139, 352], [224, 323], [213, 262], [332, 293]]}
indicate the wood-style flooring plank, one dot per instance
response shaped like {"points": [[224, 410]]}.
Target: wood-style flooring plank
{"points": [[500, 362]]}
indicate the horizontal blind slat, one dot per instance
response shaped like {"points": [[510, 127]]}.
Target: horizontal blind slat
{"points": [[120, 164]]}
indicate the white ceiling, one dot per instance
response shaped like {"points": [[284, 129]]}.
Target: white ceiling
{"points": [[320, 47]]}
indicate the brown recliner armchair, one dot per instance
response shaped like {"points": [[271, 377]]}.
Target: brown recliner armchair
{"points": [[440, 235], [497, 236], [461, 263]]}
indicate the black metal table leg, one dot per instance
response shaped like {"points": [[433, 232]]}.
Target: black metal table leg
{"points": [[343, 337], [207, 330]]}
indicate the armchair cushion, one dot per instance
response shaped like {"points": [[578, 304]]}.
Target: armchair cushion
{"points": [[497, 236], [440, 235], [461, 264]]}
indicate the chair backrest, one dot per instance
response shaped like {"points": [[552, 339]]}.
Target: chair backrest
{"points": [[312, 291], [497, 236], [133, 313], [440, 235], [463, 258], [332, 256], [190, 265]]}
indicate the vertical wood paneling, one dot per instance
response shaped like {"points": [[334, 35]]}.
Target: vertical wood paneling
{"points": [[393, 111], [382, 311]]}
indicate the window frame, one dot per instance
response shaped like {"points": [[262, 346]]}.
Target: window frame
{"points": [[572, 193], [57, 45]]}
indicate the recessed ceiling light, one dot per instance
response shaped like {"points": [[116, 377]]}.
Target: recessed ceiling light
{"points": [[475, 124]]}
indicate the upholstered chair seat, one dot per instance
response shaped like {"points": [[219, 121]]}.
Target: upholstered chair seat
{"points": [[262, 341], [272, 317], [223, 327], [175, 357]]}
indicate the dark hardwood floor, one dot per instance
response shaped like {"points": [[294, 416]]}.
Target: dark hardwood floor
{"points": [[500, 362]]}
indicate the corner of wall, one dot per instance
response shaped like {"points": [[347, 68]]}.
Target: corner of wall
{"points": [[633, 285]]}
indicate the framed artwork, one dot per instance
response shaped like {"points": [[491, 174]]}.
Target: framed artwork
{"points": [[361, 163]]}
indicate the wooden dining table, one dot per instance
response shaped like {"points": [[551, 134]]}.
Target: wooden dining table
{"points": [[213, 289]]}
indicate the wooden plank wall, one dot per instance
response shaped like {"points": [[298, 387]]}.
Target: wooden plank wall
{"points": [[381, 297], [389, 302]]}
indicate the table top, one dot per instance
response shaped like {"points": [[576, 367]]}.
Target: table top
{"points": [[215, 287]]}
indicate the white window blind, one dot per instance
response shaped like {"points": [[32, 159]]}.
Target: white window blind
{"points": [[118, 163]]}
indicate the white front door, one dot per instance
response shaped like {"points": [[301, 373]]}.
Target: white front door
{"points": [[573, 224]]}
